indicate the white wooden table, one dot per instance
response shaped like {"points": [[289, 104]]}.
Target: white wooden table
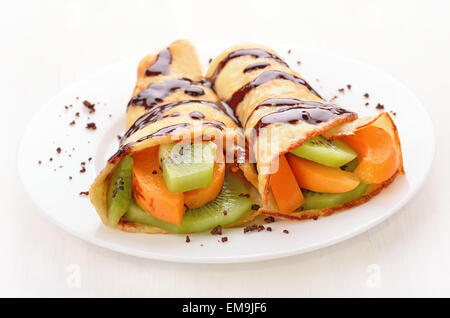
{"points": [[47, 45]]}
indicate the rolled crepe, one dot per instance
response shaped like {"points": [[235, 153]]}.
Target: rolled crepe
{"points": [[265, 93], [170, 101]]}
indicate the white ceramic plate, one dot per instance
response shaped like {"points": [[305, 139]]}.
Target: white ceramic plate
{"points": [[58, 197]]}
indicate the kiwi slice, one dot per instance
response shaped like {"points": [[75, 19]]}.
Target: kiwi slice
{"points": [[351, 166], [230, 205], [331, 153], [316, 200], [119, 191], [187, 166]]}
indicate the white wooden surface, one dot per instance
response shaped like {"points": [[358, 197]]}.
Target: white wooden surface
{"points": [[47, 45]]}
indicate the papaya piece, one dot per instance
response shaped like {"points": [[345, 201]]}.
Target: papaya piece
{"points": [[378, 159], [318, 178], [285, 189], [150, 190]]}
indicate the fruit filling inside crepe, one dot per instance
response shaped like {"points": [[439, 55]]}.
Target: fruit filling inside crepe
{"points": [[179, 187], [326, 172]]}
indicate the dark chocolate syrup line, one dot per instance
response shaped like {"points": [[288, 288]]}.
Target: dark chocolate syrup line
{"points": [[156, 113], [194, 91], [157, 92], [255, 66], [125, 149], [161, 65], [256, 53], [263, 78], [277, 102], [294, 114], [196, 115]]}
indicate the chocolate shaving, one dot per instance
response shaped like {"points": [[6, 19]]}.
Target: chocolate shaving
{"points": [[154, 172], [250, 228], [84, 193], [70, 177], [379, 106], [269, 219], [285, 231], [255, 207], [188, 239], [224, 239], [83, 170], [91, 126], [58, 150], [269, 229], [260, 228], [39, 162], [89, 106], [315, 218], [366, 95], [72, 123], [341, 90], [217, 230], [51, 159], [349, 87]]}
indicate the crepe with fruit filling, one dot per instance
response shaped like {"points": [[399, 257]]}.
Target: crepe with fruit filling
{"points": [[170, 172], [312, 157]]}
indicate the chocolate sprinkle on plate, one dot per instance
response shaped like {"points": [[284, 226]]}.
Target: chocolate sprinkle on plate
{"points": [[217, 230], [286, 231], [255, 207], [188, 239], [379, 106], [269, 219], [84, 193], [269, 229], [224, 239], [250, 228], [89, 106], [72, 123], [366, 95], [91, 126], [83, 170]]}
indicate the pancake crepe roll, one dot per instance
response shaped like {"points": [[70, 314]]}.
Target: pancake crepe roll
{"points": [[144, 187], [313, 157]]}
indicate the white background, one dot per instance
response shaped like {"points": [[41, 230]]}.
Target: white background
{"points": [[47, 45]]}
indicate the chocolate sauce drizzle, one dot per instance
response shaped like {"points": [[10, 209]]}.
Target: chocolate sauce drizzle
{"points": [[255, 66], [194, 91], [294, 110], [157, 92], [196, 115], [124, 150], [161, 65], [277, 102], [156, 113], [263, 78], [256, 53]]}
